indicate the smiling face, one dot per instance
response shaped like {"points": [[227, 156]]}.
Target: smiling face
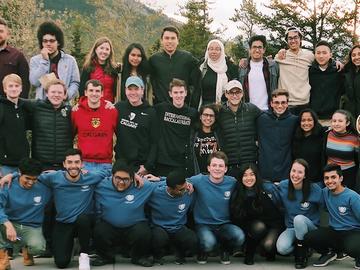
{"points": [[294, 41], [355, 57], [339, 122], [207, 117], [234, 96], [214, 51], [279, 104], [257, 51], [135, 57], [103, 52], [169, 42], [134, 94], [27, 181], [178, 95], [297, 174], [121, 180], [56, 95], [217, 169], [12, 90], [249, 178], [307, 122], [73, 165], [333, 181], [4, 35], [94, 94]]}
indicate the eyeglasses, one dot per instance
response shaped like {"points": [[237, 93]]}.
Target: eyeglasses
{"points": [[293, 38], [280, 103], [257, 47], [125, 180], [234, 93], [49, 40], [208, 115]]}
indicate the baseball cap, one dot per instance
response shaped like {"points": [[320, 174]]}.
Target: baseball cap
{"points": [[134, 80], [232, 84]]}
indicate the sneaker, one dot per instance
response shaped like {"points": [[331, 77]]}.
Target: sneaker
{"points": [[100, 261], [158, 261], [224, 257], [28, 259], [145, 262], [179, 260], [325, 259], [357, 263], [341, 256], [202, 258], [84, 262]]}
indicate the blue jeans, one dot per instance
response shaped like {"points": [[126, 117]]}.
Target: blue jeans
{"points": [[302, 225], [4, 170], [93, 166], [230, 236]]}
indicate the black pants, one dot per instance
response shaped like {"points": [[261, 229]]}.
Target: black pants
{"points": [[136, 237], [259, 234], [184, 241], [349, 178], [327, 238], [63, 238]]}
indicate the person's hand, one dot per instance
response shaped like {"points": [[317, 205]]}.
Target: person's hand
{"points": [[45, 53], [75, 107], [339, 66], [6, 180], [10, 231], [243, 63], [138, 181], [151, 177], [189, 187], [142, 171], [281, 54], [109, 105]]}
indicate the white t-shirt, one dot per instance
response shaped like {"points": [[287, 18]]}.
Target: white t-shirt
{"points": [[257, 86]]}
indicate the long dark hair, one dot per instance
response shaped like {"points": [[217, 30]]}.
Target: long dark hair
{"points": [[306, 185], [142, 69], [238, 196], [212, 107], [317, 129], [350, 66]]}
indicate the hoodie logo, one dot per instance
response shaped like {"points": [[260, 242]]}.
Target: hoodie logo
{"points": [[132, 116], [342, 210], [37, 200], [181, 207], [129, 198], [85, 188], [95, 122], [305, 205], [64, 112], [227, 195]]}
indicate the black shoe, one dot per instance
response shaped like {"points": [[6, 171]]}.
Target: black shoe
{"points": [[301, 263], [145, 262], [357, 263], [179, 260], [224, 257], [341, 256], [271, 257], [100, 261], [249, 260], [325, 259], [202, 258], [158, 261]]}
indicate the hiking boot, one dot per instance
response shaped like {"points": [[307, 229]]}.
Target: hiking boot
{"points": [[325, 259], [4, 260], [28, 258]]}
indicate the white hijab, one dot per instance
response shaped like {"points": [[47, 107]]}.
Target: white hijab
{"points": [[219, 66]]}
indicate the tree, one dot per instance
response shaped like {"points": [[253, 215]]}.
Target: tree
{"points": [[237, 48], [329, 20], [195, 34], [245, 18]]}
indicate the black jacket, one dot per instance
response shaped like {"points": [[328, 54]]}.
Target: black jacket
{"points": [[137, 134], [239, 133], [326, 89], [51, 132], [13, 142]]}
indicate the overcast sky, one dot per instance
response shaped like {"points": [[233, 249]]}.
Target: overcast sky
{"points": [[220, 11]]}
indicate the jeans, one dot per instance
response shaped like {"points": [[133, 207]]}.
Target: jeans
{"points": [[230, 236], [93, 166], [4, 170], [29, 236], [302, 225]]}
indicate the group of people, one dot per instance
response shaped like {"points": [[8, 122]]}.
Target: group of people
{"points": [[251, 153]]}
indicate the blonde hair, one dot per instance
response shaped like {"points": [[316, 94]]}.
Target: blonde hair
{"points": [[11, 78], [55, 82]]}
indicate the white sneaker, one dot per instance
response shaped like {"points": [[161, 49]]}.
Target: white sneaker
{"points": [[84, 262]]}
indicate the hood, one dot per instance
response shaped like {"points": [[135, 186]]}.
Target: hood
{"points": [[83, 103]]}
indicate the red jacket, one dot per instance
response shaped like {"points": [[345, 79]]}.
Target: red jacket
{"points": [[95, 130], [106, 79]]}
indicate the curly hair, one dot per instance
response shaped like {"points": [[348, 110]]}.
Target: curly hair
{"points": [[50, 28]]}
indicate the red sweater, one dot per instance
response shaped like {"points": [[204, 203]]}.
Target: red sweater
{"points": [[95, 129], [106, 79]]}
